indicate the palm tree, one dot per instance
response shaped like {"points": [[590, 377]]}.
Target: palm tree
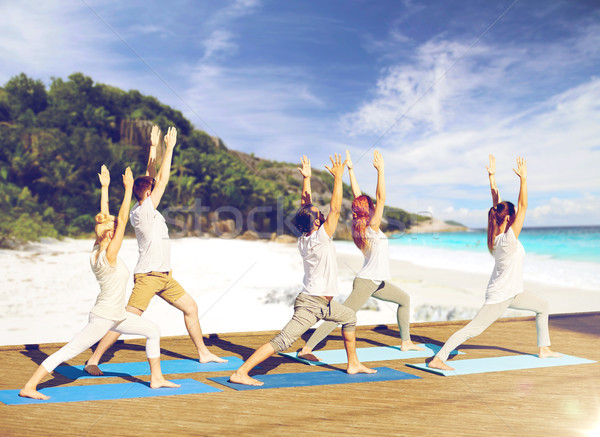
{"points": [[178, 168]]}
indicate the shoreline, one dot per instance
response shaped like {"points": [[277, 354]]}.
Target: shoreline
{"points": [[239, 286]]}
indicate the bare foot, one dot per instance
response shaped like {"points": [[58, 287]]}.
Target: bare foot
{"points": [[436, 363], [359, 368], [209, 357], [308, 356], [162, 382], [93, 369], [33, 394], [245, 379], [410, 346], [546, 352]]}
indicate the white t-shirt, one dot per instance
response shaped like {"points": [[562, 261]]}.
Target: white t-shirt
{"points": [[110, 303], [377, 260], [153, 238], [320, 264], [507, 278]]}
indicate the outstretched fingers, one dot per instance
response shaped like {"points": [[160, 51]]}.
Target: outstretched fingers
{"points": [[521, 169], [304, 169], [336, 164], [171, 137]]}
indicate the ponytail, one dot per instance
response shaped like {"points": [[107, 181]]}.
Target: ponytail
{"points": [[492, 228], [363, 210], [496, 216]]}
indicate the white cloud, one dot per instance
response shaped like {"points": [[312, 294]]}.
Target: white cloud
{"points": [[488, 102], [561, 211], [529, 99], [220, 42], [42, 37], [58, 38], [427, 93]]}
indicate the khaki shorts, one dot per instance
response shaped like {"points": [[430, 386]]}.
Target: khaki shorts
{"points": [[147, 285]]}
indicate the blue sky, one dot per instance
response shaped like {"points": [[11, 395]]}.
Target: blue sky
{"points": [[434, 85]]}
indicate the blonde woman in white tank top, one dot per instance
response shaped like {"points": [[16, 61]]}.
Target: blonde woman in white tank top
{"points": [[108, 314]]}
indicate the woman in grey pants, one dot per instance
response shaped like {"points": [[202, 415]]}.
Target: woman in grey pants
{"points": [[505, 289], [372, 279]]}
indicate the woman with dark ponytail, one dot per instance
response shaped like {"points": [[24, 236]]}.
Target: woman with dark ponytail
{"points": [[373, 278], [505, 288]]}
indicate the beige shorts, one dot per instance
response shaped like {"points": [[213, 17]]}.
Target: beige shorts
{"points": [[147, 285]]}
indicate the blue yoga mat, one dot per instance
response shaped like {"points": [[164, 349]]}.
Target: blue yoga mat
{"points": [[102, 392], [365, 354], [308, 379], [142, 368], [499, 364]]}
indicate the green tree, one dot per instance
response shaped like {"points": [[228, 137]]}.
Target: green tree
{"points": [[24, 93]]}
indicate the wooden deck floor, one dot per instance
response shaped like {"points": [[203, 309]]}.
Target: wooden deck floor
{"points": [[558, 401]]}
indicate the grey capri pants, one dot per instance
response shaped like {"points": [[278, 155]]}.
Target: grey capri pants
{"points": [[308, 310], [362, 290], [489, 313]]}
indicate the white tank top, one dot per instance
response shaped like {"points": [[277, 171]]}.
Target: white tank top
{"points": [[377, 259], [507, 278], [110, 302]]}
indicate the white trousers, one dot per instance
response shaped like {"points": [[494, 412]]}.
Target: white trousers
{"points": [[97, 328], [489, 313]]}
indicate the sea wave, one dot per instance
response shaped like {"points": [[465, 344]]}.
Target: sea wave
{"points": [[542, 269]]}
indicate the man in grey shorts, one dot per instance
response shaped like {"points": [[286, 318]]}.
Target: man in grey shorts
{"points": [[320, 280]]}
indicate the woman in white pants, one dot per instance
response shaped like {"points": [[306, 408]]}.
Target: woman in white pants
{"points": [[505, 288], [373, 279], [108, 314]]}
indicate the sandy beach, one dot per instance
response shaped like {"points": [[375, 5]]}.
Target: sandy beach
{"points": [[48, 289]]}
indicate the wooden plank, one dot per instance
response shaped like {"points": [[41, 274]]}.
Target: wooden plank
{"points": [[550, 401]]}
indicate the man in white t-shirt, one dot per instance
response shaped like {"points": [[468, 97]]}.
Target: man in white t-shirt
{"points": [[320, 280], [152, 273]]}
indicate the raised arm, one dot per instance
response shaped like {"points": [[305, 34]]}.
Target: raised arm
{"points": [[491, 173], [380, 193], [115, 244], [521, 171], [306, 172], [165, 168], [154, 141], [104, 177], [353, 182], [335, 207]]}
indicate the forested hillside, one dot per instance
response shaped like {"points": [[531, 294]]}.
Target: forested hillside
{"points": [[53, 142]]}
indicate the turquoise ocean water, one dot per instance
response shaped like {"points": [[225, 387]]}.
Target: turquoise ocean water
{"points": [[565, 256], [581, 243]]}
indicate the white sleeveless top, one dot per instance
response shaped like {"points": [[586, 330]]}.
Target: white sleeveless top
{"points": [[377, 260], [507, 278], [320, 264], [110, 303]]}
